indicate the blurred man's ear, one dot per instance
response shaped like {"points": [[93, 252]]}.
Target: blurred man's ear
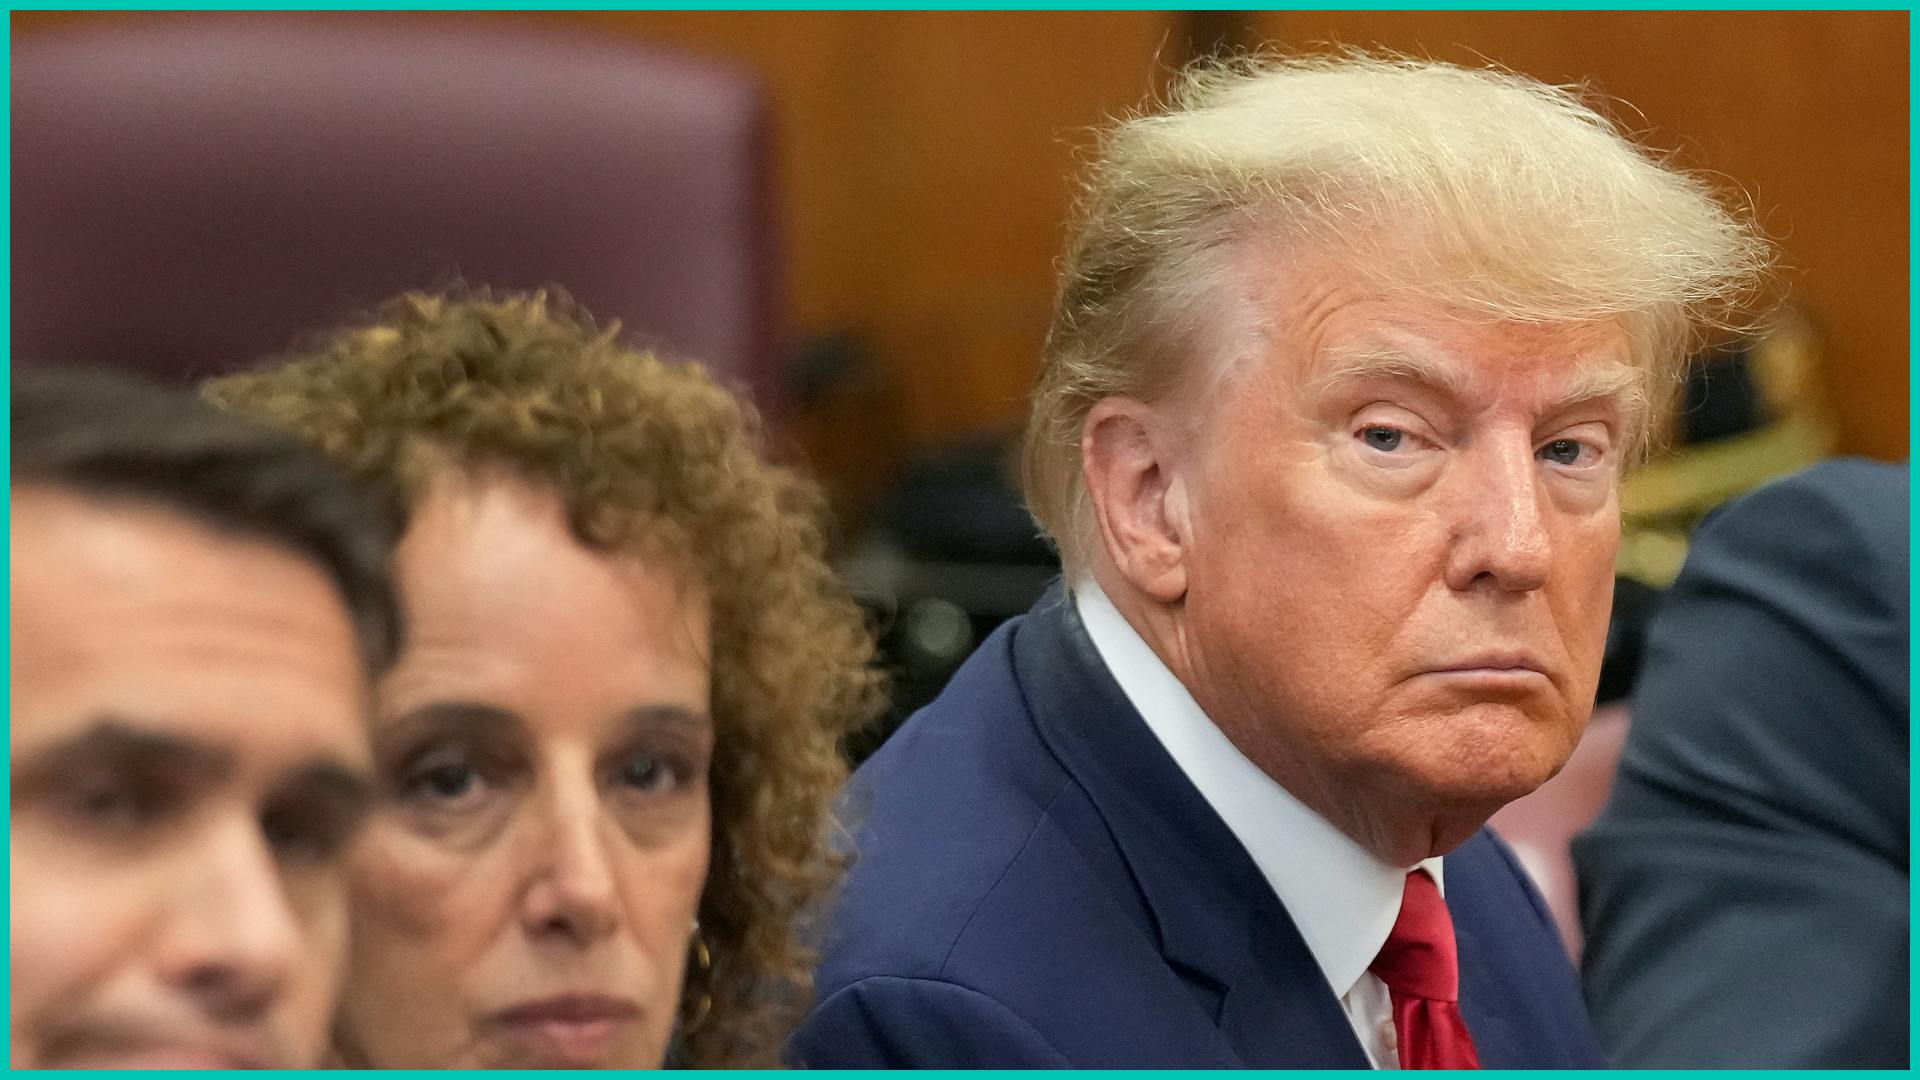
{"points": [[1127, 456]]}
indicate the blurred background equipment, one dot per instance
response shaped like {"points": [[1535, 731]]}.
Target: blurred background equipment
{"points": [[1751, 410]]}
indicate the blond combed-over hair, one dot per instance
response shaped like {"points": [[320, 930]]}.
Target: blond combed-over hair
{"points": [[1484, 191], [649, 458]]}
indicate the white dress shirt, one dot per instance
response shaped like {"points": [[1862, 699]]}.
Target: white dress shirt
{"points": [[1343, 899]]}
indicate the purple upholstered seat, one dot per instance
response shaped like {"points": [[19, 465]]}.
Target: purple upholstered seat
{"points": [[189, 193]]}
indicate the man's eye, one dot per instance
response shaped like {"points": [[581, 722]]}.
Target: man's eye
{"points": [[1563, 451], [108, 805], [1385, 439], [116, 803]]}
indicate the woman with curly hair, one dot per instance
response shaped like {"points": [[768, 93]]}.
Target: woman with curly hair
{"points": [[607, 754]]}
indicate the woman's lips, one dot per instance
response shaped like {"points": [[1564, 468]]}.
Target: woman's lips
{"points": [[571, 1028]]}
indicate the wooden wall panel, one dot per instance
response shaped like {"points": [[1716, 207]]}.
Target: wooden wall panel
{"points": [[1806, 112], [927, 159]]}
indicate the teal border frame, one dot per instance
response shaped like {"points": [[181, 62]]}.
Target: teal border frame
{"points": [[1009, 5]]}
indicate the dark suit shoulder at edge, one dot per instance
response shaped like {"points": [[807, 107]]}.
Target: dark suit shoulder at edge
{"points": [[952, 988]]}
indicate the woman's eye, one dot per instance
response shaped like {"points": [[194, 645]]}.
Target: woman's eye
{"points": [[651, 774], [1384, 439], [448, 781], [441, 779], [646, 773]]}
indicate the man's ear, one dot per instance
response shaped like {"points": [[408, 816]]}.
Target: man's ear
{"points": [[1139, 497]]}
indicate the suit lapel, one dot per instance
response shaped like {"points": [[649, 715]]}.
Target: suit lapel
{"points": [[1494, 1035], [1282, 1011], [1216, 917]]}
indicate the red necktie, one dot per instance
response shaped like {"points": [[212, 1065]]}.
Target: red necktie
{"points": [[1422, 971]]}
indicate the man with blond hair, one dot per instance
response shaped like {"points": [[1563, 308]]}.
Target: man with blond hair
{"points": [[1347, 358]]}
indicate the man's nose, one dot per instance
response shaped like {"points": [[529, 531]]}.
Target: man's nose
{"points": [[232, 938], [572, 891], [1500, 537]]}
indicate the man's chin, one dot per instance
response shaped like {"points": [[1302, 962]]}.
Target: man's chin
{"points": [[1464, 772], [1499, 780]]}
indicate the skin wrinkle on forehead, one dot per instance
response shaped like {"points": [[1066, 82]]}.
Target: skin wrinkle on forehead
{"points": [[462, 496], [180, 597], [1263, 265], [1591, 380], [1600, 372], [136, 554]]}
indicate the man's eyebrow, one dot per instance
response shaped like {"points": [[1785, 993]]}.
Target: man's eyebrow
{"points": [[118, 740], [1595, 381], [1598, 382], [1359, 365]]}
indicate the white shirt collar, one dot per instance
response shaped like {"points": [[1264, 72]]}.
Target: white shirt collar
{"points": [[1343, 898]]}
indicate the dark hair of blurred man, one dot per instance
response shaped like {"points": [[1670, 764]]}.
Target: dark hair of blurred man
{"points": [[197, 607]]}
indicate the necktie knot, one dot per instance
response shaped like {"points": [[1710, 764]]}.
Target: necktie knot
{"points": [[1421, 968], [1419, 959]]}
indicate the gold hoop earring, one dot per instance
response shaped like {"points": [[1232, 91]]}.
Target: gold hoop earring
{"points": [[703, 963]]}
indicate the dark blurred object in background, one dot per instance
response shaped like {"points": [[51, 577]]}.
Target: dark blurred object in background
{"points": [[1721, 398], [189, 195], [1633, 604], [953, 554], [1749, 411]]}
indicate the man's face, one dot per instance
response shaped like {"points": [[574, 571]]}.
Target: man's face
{"points": [[189, 758], [1401, 562]]}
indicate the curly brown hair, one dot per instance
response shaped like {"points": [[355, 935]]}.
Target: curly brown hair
{"points": [[653, 458]]}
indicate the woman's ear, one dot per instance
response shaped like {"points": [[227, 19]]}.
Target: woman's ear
{"points": [[1129, 459]]}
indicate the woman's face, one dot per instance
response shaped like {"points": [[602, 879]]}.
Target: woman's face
{"points": [[526, 891]]}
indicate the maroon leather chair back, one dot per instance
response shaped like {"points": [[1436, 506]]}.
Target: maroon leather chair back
{"points": [[1540, 827], [191, 193]]}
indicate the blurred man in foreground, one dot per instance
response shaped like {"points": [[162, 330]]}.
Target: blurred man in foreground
{"points": [[1745, 891], [1347, 358], [197, 604]]}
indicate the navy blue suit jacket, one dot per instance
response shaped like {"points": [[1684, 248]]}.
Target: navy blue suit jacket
{"points": [[1037, 884]]}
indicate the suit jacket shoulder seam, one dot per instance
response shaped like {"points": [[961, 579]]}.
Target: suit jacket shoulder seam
{"points": [[1522, 879], [922, 980], [1040, 819]]}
